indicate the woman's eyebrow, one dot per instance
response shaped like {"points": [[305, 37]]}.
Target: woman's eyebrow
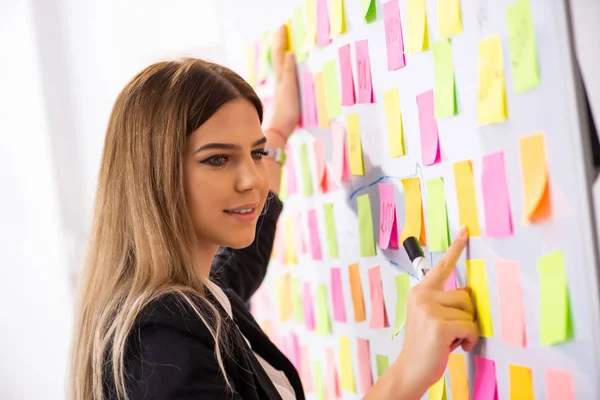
{"points": [[228, 146]]}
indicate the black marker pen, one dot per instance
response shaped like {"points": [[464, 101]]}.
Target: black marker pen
{"points": [[416, 255]]}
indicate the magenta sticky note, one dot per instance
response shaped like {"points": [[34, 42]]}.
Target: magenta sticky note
{"points": [[309, 102], [393, 35], [378, 314], [308, 311], [363, 69], [348, 98], [559, 385], [430, 144], [365, 375], [290, 171], [315, 241], [339, 158], [337, 295], [388, 224], [484, 387], [496, 203], [322, 23], [510, 302], [451, 282]]}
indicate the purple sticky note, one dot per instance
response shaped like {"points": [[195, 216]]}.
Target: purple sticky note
{"points": [[496, 203], [393, 35], [430, 144], [378, 314], [307, 307], [388, 226], [337, 295], [346, 74], [322, 23], [363, 68], [313, 229], [309, 104], [484, 387]]}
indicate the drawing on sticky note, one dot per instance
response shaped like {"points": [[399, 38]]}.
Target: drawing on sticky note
{"points": [[449, 19], [348, 98], [496, 202], [430, 145], [402, 289], [323, 326], [355, 145], [459, 384], [346, 368], [510, 303], [365, 226], [522, 46], [388, 225], [521, 383], [332, 89], [363, 70], [332, 386], [437, 391], [415, 221], [337, 22], [465, 196], [437, 216], [378, 314], [444, 89], [315, 241], [393, 35], [323, 27], [321, 168], [365, 375], [358, 302], [559, 385], [321, 96], [536, 187], [418, 37], [339, 159], [491, 104], [332, 245], [485, 386], [307, 307], [393, 117], [477, 281], [337, 295], [306, 175]]}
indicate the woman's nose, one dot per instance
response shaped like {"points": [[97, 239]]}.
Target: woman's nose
{"points": [[250, 176]]}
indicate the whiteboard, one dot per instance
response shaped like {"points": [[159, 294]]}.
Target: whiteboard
{"points": [[553, 108]]}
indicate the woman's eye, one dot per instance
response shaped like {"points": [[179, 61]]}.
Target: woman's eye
{"points": [[259, 154], [216, 161]]}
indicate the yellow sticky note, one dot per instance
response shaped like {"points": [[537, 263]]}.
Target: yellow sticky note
{"points": [[251, 64], [465, 193], [437, 216], [311, 24], [321, 95], [346, 368], [459, 384], [418, 38], [393, 117], [290, 36], [365, 226], [290, 253], [337, 19], [437, 391], [491, 104], [299, 33], [477, 281], [354, 145], [449, 20], [522, 46], [555, 314], [444, 90], [521, 384], [283, 288], [415, 221], [536, 194]]}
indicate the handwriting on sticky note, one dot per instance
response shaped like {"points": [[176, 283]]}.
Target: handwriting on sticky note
{"points": [[444, 90], [337, 18], [346, 368], [321, 95], [415, 221], [365, 226], [310, 7], [378, 314], [522, 46], [319, 384], [477, 281], [510, 299], [332, 386], [306, 175], [368, 10], [305, 374], [348, 98], [388, 225], [315, 242], [536, 193], [393, 35], [365, 376], [393, 117], [402, 289], [521, 384], [337, 295], [459, 384], [307, 307], [290, 251], [555, 313], [322, 23], [297, 300], [309, 106], [363, 70], [358, 302], [320, 167], [437, 391], [355, 145], [430, 145], [559, 385], [339, 159], [437, 216], [418, 37], [496, 202], [382, 364], [449, 19], [485, 386], [332, 89], [465, 196], [323, 322], [491, 105], [332, 245]]}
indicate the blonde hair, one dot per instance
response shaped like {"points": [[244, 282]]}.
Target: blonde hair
{"points": [[142, 239]]}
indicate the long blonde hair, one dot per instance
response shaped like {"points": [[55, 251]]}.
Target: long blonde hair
{"points": [[142, 240]]}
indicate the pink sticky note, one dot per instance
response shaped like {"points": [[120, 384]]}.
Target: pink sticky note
{"points": [[365, 376], [346, 74], [484, 387], [388, 225], [510, 298], [300, 240], [559, 385], [322, 23], [260, 79], [309, 102], [339, 158], [279, 243], [294, 350], [378, 315], [332, 385], [305, 374], [451, 282], [337, 295], [430, 144], [268, 110], [307, 307], [313, 229], [363, 69], [496, 203], [321, 167], [393, 35], [290, 171]]}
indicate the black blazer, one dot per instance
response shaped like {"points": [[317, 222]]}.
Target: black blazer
{"points": [[170, 351]]}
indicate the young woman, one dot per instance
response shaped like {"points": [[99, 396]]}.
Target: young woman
{"points": [[184, 173]]}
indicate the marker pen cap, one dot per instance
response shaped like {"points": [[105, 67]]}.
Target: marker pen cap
{"points": [[413, 248]]}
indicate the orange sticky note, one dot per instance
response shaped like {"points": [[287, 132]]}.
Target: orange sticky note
{"points": [[365, 375], [536, 191], [459, 384], [357, 293], [510, 303], [559, 385], [465, 193], [355, 145], [320, 92], [415, 222], [521, 384]]}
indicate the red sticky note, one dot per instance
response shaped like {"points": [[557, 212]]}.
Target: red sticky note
{"points": [[332, 385], [393, 35], [430, 144], [337, 295], [321, 167], [307, 307], [496, 203], [348, 98], [309, 101], [340, 167], [290, 171], [510, 299], [323, 38], [451, 282], [388, 225], [559, 385], [485, 387], [305, 374], [365, 376], [315, 242], [363, 68], [378, 315]]}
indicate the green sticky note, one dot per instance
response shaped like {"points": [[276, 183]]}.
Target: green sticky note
{"points": [[402, 288], [299, 34], [283, 187], [368, 10], [319, 384], [382, 364], [305, 167], [437, 218], [265, 55], [332, 89], [522, 46], [555, 314], [297, 300], [332, 246], [323, 322], [365, 226], [444, 90]]}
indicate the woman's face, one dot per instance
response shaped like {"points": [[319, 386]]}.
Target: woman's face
{"points": [[225, 177]]}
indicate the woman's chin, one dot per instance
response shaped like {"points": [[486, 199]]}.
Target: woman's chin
{"points": [[240, 242]]}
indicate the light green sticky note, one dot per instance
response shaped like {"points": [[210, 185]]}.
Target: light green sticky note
{"points": [[365, 226], [332, 89], [444, 90], [299, 31], [437, 218], [368, 10], [323, 322], [555, 314], [265, 54], [332, 245], [319, 383], [522, 46], [283, 187], [382, 364], [297, 300], [305, 167], [402, 288]]}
